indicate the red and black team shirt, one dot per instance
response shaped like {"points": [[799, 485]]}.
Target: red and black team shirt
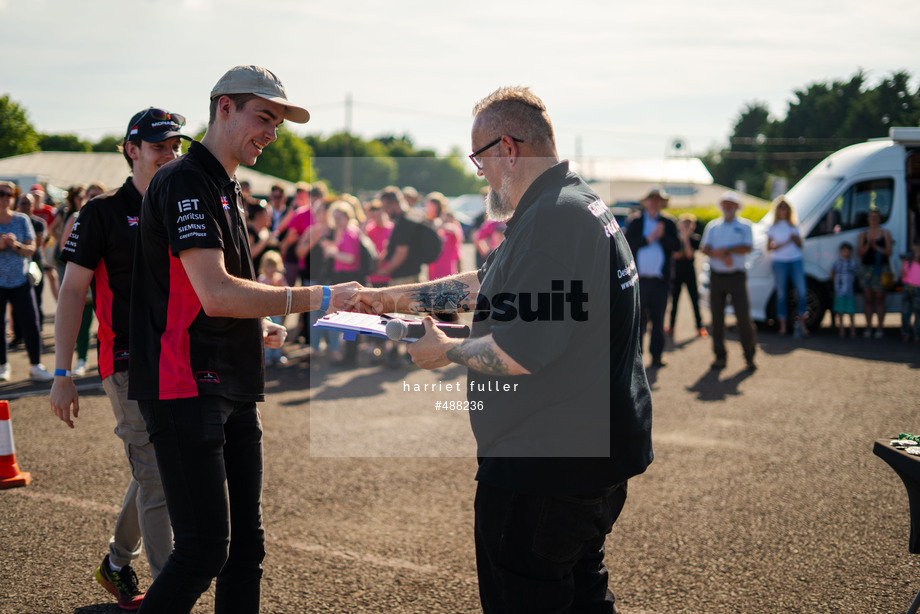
{"points": [[102, 240], [178, 351]]}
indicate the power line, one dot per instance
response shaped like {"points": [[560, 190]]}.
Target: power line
{"points": [[776, 155], [800, 140]]}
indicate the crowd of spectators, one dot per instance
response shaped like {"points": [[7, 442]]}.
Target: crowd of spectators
{"points": [[312, 237]]}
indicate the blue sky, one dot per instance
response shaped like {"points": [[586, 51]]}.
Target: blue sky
{"points": [[620, 79]]}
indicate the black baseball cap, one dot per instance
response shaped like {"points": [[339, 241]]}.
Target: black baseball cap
{"points": [[155, 125]]}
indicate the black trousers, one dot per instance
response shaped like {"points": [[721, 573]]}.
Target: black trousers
{"points": [[653, 301], [209, 452], [544, 554], [25, 314], [685, 276]]}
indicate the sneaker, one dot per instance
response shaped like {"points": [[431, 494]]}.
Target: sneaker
{"points": [[867, 334], [80, 369], [750, 366], [5, 372], [718, 363], [879, 334], [122, 584], [38, 373], [702, 332]]}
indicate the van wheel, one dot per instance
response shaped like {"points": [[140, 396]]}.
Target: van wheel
{"points": [[817, 303]]}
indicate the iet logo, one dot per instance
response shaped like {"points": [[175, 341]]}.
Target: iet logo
{"points": [[189, 204]]}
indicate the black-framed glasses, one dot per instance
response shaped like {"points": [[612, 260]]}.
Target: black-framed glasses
{"points": [[5, 194], [160, 115], [477, 162]]}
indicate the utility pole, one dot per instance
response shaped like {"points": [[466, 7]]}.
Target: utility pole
{"points": [[347, 159]]}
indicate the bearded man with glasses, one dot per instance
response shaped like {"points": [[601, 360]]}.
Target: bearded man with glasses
{"points": [[559, 402]]}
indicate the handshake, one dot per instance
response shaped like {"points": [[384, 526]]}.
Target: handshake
{"points": [[352, 296], [430, 351]]}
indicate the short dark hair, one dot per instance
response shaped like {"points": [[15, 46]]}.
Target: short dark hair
{"points": [[517, 111], [846, 245], [239, 101], [124, 151], [391, 194]]}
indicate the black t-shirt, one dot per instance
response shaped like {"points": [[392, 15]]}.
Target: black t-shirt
{"points": [[177, 350], [102, 240], [405, 232], [563, 302], [41, 230]]}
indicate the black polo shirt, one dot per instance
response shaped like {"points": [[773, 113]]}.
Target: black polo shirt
{"points": [[102, 240], [563, 302], [405, 232], [177, 350]]}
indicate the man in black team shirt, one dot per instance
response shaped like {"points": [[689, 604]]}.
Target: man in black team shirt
{"points": [[559, 401], [197, 330], [100, 252]]}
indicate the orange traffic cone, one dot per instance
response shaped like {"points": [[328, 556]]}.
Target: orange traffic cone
{"points": [[10, 475]]}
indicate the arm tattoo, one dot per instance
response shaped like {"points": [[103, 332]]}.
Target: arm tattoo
{"points": [[479, 355], [450, 296]]}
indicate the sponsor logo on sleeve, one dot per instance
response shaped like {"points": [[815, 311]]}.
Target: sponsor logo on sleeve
{"points": [[600, 210], [191, 223], [189, 204]]}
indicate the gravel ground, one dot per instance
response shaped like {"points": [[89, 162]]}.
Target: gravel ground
{"points": [[764, 496]]}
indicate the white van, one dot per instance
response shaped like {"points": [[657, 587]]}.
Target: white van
{"points": [[832, 202]]}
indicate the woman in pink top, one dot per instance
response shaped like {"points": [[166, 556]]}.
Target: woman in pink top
{"points": [[450, 231], [910, 296], [378, 228], [344, 249]]}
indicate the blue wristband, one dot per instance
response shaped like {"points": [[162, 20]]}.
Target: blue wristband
{"points": [[327, 294], [63, 373]]}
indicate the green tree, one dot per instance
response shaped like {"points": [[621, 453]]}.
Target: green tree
{"points": [[63, 142], [17, 135], [742, 161], [109, 143], [287, 158], [821, 118], [350, 164]]}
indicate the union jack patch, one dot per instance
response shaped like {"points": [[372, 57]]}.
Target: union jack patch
{"points": [[225, 203], [132, 220]]}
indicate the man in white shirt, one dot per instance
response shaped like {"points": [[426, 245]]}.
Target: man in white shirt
{"points": [[727, 240]]}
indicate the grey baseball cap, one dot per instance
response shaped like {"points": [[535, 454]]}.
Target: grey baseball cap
{"points": [[264, 84]]}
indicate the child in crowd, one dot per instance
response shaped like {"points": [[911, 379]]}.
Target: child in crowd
{"points": [[271, 272], [843, 275], [910, 296]]}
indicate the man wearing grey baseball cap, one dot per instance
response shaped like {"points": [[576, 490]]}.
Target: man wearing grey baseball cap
{"points": [[197, 336]]}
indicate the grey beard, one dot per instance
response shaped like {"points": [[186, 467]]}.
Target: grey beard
{"points": [[498, 204]]}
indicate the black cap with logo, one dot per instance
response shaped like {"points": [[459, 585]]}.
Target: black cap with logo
{"points": [[155, 125]]}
